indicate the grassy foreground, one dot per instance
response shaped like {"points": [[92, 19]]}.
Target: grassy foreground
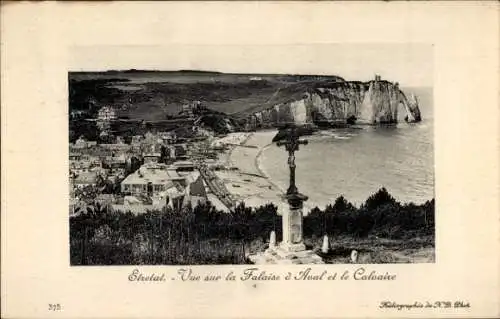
{"points": [[382, 228]]}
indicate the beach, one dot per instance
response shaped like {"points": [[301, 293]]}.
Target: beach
{"points": [[245, 179]]}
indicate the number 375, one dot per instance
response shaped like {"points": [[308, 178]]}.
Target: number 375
{"points": [[55, 307]]}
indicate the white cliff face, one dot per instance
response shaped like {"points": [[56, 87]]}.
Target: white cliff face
{"points": [[258, 117], [410, 118], [277, 112], [367, 111], [394, 101], [322, 106], [369, 103], [413, 110], [299, 112], [381, 103]]}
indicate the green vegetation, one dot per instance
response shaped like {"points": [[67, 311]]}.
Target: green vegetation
{"points": [[203, 235]]}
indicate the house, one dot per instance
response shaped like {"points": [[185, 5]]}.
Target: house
{"points": [[167, 137], [137, 139], [116, 147], [84, 179], [75, 156], [106, 199], [132, 204], [190, 108], [183, 166], [150, 178], [141, 205], [177, 151], [77, 167], [152, 138], [106, 113], [80, 143], [116, 162], [180, 150], [152, 154], [77, 114]]}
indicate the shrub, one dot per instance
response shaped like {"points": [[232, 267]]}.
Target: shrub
{"points": [[204, 235]]}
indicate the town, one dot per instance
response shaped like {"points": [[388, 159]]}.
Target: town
{"points": [[154, 170]]}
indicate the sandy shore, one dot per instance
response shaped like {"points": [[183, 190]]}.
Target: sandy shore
{"points": [[249, 183]]}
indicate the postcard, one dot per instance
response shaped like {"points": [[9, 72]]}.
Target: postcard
{"points": [[250, 159]]}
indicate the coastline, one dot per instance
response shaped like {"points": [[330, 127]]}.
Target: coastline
{"points": [[248, 179], [259, 167], [249, 183], [308, 206]]}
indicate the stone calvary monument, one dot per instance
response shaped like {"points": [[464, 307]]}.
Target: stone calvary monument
{"points": [[292, 249]]}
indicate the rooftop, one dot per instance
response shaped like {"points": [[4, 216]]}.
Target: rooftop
{"points": [[151, 173], [183, 164], [86, 178]]}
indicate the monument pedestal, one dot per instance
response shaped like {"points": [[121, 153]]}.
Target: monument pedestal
{"points": [[292, 250], [282, 254]]}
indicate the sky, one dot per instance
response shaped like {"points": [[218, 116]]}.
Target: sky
{"points": [[409, 64]]}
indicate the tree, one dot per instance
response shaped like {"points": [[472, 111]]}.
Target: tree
{"points": [[381, 197], [203, 234], [132, 165], [341, 205], [87, 194]]}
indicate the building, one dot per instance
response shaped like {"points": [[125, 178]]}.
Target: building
{"points": [[106, 113], [116, 162], [150, 178], [78, 167], [137, 140], [183, 166], [180, 151], [168, 137], [80, 142], [75, 156], [190, 108], [152, 154], [115, 147], [84, 179], [165, 185], [134, 204]]}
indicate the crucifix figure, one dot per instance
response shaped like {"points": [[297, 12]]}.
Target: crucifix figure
{"points": [[291, 144]]}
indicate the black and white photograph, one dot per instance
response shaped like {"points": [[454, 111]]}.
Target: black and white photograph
{"points": [[203, 166], [249, 159]]}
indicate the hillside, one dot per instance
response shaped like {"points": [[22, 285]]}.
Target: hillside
{"points": [[262, 99]]}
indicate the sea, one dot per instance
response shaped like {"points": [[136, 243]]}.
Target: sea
{"points": [[356, 162]]}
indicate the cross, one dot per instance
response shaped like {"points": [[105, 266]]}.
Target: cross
{"points": [[291, 144]]}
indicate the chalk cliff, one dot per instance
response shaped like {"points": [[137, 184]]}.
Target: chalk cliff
{"points": [[337, 102]]}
